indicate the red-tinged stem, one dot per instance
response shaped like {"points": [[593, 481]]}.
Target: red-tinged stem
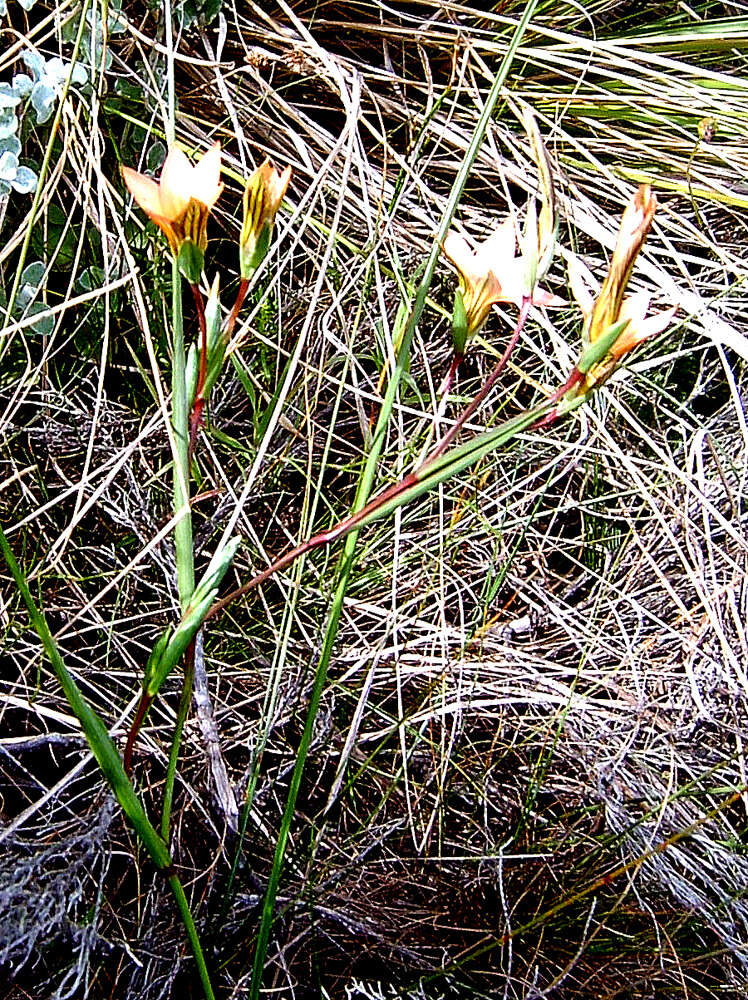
{"points": [[196, 422], [443, 391], [574, 379], [200, 308], [196, 416], [340, 530], [487, 387], [236, 308], [145, 703], [350, 524]]}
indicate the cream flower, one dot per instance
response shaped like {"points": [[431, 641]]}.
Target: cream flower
{"points": [[635, 225], [182, 200], [634, 309], [610, 308], [640, 327], [491, 274]]}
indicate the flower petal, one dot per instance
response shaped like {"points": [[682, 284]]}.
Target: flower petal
{"points": [[509, 281], [634, 308], [657, 323], [280, 186], [205, 184], [459, 253], [176, 183], [542, 298], [498, 250], [145, 191], [580, 281], [640, 330]]}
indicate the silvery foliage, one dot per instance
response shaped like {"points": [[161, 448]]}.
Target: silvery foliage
{"points": [[49, 76], [41, 89], [12, 174], [31, 285], [46, 894], [38, 90]]}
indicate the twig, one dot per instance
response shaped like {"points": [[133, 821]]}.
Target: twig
{"points": [[206, 717]]}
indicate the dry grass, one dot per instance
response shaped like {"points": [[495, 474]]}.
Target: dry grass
{"points": [[528, 777]]}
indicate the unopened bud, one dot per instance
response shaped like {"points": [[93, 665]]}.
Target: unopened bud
{"points": [[263, 194]]}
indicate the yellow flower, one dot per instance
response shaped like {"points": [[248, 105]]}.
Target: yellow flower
{"points": [[182, 200], [263, 194], [491, 274], [610, 308]]}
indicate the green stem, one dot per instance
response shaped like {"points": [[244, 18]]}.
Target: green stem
{"points": [[140, 713], [189, 926], [485, 389], [365, 485], [196, 416], [180, 423], [183, 709], [183, 529], [236, 309], [109, 762]]}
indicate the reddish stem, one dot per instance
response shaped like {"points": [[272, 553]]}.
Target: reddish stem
{"points": [[200, 307], [196, 415], [145, 703], [572, 381], [241, 294], [446, 385], [487, 387], [339, 530], [349, 524]]}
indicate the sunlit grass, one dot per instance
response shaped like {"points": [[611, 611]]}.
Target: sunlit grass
{"points": [[539, 676]]}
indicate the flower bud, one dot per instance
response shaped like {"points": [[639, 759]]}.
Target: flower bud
{"points": [[635, 225], [459, 323], [539, 238], [614, 324], [263, 194]]}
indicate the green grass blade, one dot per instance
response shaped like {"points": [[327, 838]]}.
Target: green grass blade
{"points": [[109, 761], [362, 494]]}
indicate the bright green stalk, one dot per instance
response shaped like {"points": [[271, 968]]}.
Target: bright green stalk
{"points": [[171, 98], [183, 530], [183, 710], [189, 926], [366, 482], [180, 423], [110, 763]]}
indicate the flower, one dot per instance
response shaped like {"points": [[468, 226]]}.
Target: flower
{"points": [[263, 194], [181, 202], [635, 225], [610, 310], [491, 274], [640, 327]]}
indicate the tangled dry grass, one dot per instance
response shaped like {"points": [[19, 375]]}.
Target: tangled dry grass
{"points": [[527, 777]]}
